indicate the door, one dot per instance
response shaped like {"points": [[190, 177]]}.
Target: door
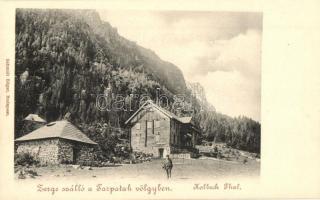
{"points": [[160, 152], [76, 153]]}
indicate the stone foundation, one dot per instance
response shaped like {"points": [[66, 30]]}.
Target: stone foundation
{"points": [[154, 150], [181, 155], [56, 151], [46, 151], [84, 156]]}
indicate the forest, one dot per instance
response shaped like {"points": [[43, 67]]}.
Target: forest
{"points": [[64, 59]]}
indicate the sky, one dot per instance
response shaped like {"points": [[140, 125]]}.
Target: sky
{"points": [[220, 50]]}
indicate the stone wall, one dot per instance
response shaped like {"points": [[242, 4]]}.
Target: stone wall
{"points": [[46, 151], [155, 150], [85, 155], [56, 151], [65, 154], [181, 155]]}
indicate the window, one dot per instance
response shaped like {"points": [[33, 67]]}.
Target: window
{"points": [[138, 126], [149, 124], [137, 138], [158, 137], [157, 123]]}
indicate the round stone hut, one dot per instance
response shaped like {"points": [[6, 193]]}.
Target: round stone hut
{"points": [[57, 142]]}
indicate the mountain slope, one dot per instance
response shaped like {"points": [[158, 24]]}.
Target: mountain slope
{"points": [[66, 58], [127, 51], [70, 61]]}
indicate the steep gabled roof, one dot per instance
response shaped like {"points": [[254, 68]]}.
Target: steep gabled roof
{"points": [[58, 129], [34, 118], [162, 110]]}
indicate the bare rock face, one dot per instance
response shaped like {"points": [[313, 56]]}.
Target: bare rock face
{"points": [[197, 91]]}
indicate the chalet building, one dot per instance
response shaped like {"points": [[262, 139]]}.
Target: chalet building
{"points": [[57, 142], [34, 118], [31, 123], [160, 132]]}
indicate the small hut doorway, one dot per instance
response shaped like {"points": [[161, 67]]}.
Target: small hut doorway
{"points": [[76, 154], [160, 152]]}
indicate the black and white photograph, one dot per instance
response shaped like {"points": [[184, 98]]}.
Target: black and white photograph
{"points": [[137, 94], [171, 99]]}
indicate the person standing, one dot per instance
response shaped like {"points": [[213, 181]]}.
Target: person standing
{"points": [[167, 165]]}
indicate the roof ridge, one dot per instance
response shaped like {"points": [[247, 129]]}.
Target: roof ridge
{"points": [[58, 129], [161, 109]]}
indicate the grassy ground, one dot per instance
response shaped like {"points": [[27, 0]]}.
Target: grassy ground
{"points": [[183, 169]]}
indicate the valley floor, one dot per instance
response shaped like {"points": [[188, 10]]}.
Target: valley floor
{"points": [[183, 169]]}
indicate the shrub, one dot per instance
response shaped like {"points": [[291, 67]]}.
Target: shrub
{"points": [[32, 173], [219, 155], [21, 175], [25, 159], [66, 161]]}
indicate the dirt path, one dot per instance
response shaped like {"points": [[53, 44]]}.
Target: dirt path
{"points": [[191, 169]]}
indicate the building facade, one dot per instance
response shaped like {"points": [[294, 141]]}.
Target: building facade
{"points": [[156, 131], [58, 142]]}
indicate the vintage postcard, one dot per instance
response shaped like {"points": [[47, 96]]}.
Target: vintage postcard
{"points": [[116, 100]]}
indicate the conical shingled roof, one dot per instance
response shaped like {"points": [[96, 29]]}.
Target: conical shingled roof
{"points": [[58, 129]]}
